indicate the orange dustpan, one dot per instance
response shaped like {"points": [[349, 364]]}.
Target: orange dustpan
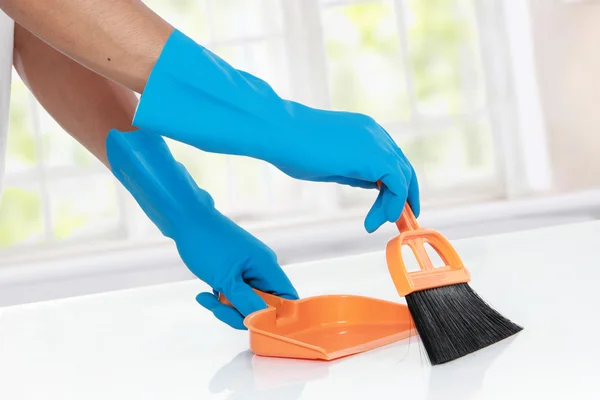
{"points": [[325, 327]]}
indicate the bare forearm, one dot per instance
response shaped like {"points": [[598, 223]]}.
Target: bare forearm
{"points": [[119, 39], [84, 103]]}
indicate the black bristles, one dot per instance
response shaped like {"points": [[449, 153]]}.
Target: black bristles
{"points": [[454, 321]]}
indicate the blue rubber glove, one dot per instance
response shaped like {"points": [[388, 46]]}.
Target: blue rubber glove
{"points": [[195, 97], [213, 247]]}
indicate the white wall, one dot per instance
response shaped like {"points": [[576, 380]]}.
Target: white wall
{"points": [[566, 38]]}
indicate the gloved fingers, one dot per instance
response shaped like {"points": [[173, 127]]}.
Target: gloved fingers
{"points": [[279, 288], [376, 216], [267, 276], [413, 195], [395, 188], [392, 205], [243, 298], [396, 183], [225, 313], [389, 204]]}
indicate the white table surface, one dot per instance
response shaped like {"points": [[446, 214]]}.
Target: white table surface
{"points": [[157, 343]]}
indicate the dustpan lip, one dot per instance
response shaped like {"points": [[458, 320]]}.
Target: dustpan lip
{"points": [[254, 330]]}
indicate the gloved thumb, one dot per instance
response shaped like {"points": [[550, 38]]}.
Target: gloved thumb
{"points": [[387, 208], [244, 300], [223, 312]]}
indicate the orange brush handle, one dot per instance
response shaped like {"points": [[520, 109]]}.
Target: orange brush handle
{"points": [[429, 276], [407, 221]]}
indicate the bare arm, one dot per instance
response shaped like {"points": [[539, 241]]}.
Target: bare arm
{"points": [[84, 103], [119, 39]]}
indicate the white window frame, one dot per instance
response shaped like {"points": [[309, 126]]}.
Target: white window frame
{"points": [[512, 101], [307, 64]]}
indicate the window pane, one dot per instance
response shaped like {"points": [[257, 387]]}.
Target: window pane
{"points": [[59, 148], [444, 56], [454, 155], [246, 185], [238, 18], [363, 53], [445, 158], [327, 3], [21, 152], [81, 206], [21, 219], [189, 16]]}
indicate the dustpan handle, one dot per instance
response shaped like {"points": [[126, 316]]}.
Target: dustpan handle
{"points": [[270, 299], [407, 221]]}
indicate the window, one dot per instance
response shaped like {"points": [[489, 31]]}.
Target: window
{"points": [[417, 66]]}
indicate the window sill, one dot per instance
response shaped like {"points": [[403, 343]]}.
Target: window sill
{"points": [[95, 270]]}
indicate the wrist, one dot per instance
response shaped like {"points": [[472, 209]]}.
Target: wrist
{"points": [[163, 188], [195, 97]]}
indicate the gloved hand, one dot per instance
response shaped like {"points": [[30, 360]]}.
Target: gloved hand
{"points": [[213, 247], [195, 97]]}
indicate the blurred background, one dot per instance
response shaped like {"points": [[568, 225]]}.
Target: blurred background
{"points": [[492, 101]]}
